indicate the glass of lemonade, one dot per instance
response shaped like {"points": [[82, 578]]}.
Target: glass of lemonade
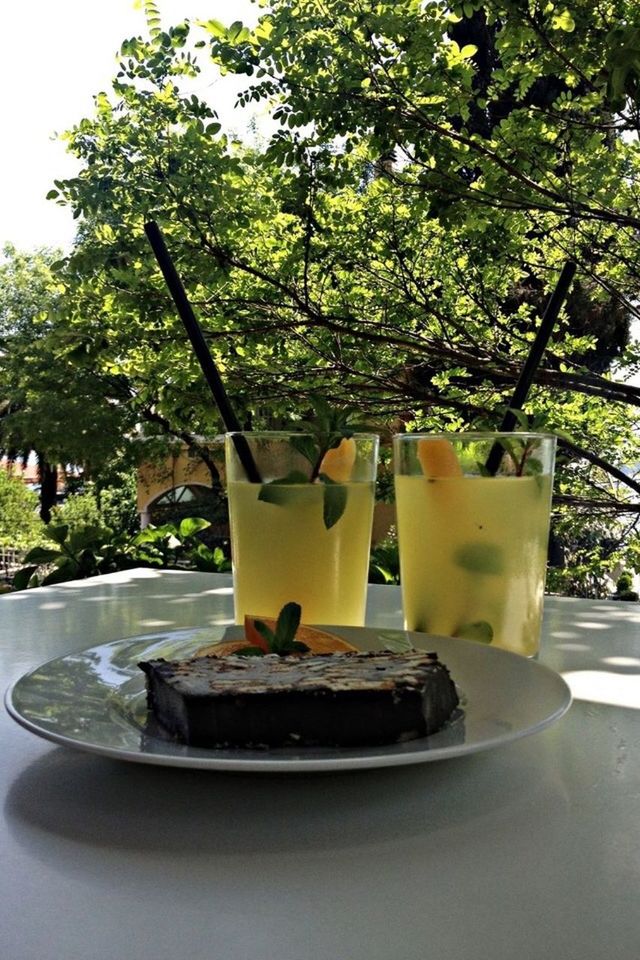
{"points": [[473, 527], [304, 533]]}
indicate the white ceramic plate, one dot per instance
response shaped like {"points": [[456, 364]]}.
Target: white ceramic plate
{"points": [[95, 701]]}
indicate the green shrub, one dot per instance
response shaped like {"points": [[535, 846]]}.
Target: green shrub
{"points": [[78, 511], [108, 507], [624, 582], [117, 501], [624, 587], [626, 595], [91, 551], [20, 525]]}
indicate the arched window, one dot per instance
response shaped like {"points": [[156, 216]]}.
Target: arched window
{"points": [[189, 493]]}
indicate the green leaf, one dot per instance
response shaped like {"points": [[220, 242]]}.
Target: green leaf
{"points": [[275, 494], [468, 51], [532, 466], [287, 624], [66, 571], [265, 632], [277, 491], [191, 525], [306, 446], [513, 448], [334, 501], [149, 535], [378, 574], [563, 21], [42, 555], [234, 31], [485, 558], [153, 534], [249, 652], [522, 418], [298, 647], [481, 631], [86, 536], [214, 27], [564, 435], [209, 561], [22, 577], [57, 532]]}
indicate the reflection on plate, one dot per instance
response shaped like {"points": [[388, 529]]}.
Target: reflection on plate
{"points": [[95, 701]]}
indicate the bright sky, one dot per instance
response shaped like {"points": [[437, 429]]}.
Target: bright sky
{"points": [[57, 54]]}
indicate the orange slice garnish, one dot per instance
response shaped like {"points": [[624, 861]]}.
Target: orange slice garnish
{"points": [[320, 641], [338, 462], [437, 458]]}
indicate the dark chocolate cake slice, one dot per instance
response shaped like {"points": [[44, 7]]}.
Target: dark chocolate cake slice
{"points": [[347, 699]]}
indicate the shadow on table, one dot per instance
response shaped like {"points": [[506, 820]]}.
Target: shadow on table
{"points": [[102, 803]]}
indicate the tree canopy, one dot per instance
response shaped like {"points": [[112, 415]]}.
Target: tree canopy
{"points": [[391, 243]]}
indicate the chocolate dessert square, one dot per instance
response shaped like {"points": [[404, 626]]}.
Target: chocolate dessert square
{"points": [[347, 699]]}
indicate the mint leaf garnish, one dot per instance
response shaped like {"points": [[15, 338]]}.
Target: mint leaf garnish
{"points": [[270, 493], [281, 640], [480, 558], [298, 647], [249, 652], [286, 626], [334, 500], [520, 453], [481, 631], [306, 446], [265, 632], [532, 466], [334, 497], [275, 490]]}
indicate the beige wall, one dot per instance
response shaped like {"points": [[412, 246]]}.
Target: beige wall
{"points": [[154, 479]]}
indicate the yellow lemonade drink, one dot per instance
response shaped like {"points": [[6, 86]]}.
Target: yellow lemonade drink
{"points": [[303, 534], [473, 548], [283, 552]]}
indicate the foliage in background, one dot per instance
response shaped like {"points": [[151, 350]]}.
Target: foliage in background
{"points": [[624, 585], [108, 502], [20, 526], [49, 404], [92, 551], [391, 246], [116, 492], [78, 511], [384, 563]]}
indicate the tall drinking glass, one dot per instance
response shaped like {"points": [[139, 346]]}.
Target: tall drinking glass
{"points": [[473, 527], [304, 533]]}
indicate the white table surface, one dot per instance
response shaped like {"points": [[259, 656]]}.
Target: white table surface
{"points": [[527, 852]]}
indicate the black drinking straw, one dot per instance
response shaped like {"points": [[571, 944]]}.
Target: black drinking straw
{"points": [[532, 362], [194, 332]]}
